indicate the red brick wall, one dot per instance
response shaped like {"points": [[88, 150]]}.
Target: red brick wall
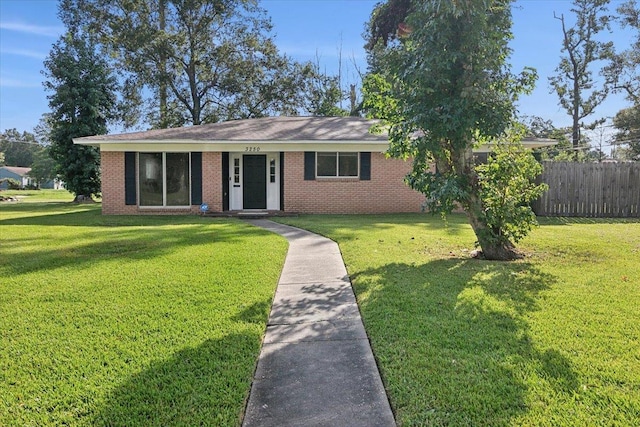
{"points": [[212, 181], [386, 192], [112, 169], [113, 203]]}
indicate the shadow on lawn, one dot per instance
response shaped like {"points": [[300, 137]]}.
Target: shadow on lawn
{"points": [[50, 213], [453, 340], [205, 385], [80, 215], [97, 238], [348, 227]]}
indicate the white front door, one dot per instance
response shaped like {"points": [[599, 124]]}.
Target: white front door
{"points": [[237, 174]]}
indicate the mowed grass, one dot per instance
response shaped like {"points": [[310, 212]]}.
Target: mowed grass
{"points": [[129, 321], [39, 196], [553, 339]]}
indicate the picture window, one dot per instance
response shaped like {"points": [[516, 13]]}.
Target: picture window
{"points": [[337, 164]]}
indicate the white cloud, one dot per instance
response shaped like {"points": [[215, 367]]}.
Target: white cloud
{"points": [[39, 30], [24, 52]]}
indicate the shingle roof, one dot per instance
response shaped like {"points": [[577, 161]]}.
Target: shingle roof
{"points": [[17, 170], [279, 130], [263, 129]]}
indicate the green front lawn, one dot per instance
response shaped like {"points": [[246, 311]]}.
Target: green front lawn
{"points": [[126, 321], [553, 339]]}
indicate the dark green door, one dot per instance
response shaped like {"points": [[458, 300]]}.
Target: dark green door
{"points": [[254, 177]]}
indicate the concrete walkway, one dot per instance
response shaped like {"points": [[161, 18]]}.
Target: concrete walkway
{"points": [[316, 367]]}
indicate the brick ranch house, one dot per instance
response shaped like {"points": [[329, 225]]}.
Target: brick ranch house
{"points": [[286, 164]]}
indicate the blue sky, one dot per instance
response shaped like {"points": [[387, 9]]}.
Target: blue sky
{"points": [[304, 29]]}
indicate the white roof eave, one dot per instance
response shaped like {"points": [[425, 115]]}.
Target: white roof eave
{"points": [[180, 145], [184, 145]]}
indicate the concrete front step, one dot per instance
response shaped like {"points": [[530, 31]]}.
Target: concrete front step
{"points": [[258, 214]]}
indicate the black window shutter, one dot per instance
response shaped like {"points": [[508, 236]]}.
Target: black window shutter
{"points": [[365, 166], [130, 197], [196, 178], [225, 181], [309, 165]]}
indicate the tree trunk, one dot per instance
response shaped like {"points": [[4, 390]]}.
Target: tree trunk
{"points": [[83, 198], [492, 248]]}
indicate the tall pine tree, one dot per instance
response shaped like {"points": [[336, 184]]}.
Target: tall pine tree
{"points": [[82, 102], [574, 84]]}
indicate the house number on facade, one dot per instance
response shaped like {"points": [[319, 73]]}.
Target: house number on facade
{"points": [[252, 149]]}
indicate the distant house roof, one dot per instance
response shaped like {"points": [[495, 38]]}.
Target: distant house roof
{"points": [[278, 133], [17, 170]]}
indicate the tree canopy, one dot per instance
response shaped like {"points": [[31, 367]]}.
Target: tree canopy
{"points": [[577, 91], [627, 122], [194, 61], [82, 101], [25, 149], [441, 82], [624, 72], [18, 148], [624, 69]]}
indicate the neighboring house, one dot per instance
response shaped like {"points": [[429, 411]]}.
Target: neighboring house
{"points": [[19, 174], [287, 164], [54, 184]]}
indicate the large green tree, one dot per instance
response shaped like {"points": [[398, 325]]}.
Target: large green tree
{"points": [[193, 61], [627, 122], [624, 72], [578, 92], [441, 83], [82, 102], [624, 69], [43, 168], [18, 147]]}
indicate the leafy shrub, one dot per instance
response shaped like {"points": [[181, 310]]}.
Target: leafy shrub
{"points": [[507, 188], [12, 184]]}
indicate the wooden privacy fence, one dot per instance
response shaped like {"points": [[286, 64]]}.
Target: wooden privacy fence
{"points": [[606, 190]]}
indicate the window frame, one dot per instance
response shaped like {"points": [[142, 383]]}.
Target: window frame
{"points": [[337, 172], [163, 171]]}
